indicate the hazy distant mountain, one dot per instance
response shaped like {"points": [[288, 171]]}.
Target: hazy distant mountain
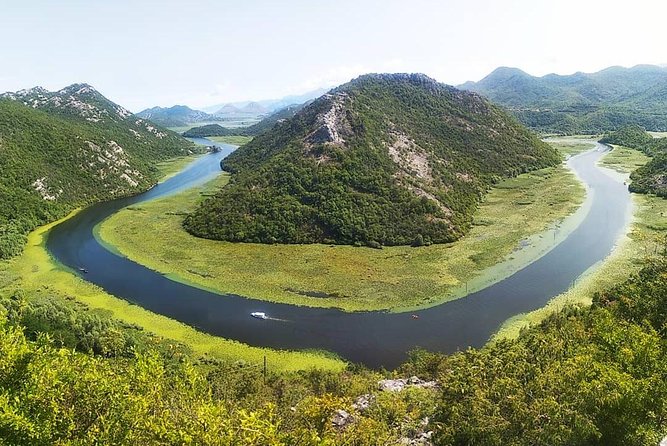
{"points": [[256, 129], [256, 108], [581, 102], [176, 116], [64, 149], [267, 105], [385, 159]]}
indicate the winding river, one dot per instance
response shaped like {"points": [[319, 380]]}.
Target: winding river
{"points": [[373, 338]]}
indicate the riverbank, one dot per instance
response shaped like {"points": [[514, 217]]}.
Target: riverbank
{"points": [[35, 273], [646, 233], [510, 225], [234, 140]]}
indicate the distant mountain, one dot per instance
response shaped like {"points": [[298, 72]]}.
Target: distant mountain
{"points": [[255, 108], [274, 118], [253, 130], [228, 109], [65, 149], [176, 116], [387, 159], [581, 102], [267, 105]]}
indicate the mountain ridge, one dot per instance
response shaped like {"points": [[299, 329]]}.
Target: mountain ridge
{"points": [[596, 102], [384, 159], [69, 148]]}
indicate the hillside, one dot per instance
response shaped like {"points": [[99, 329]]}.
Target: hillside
{"points": [[385, 159], [652, 177], [60, 150], [581, 102], [210, 130], [176, 116]]}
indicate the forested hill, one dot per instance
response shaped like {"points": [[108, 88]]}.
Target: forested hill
{"points": [[652, 177], [60, 150], [386, 159], [176, 116], [581, 102]]}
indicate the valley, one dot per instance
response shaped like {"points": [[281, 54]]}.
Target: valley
{"points": [[208, 311], [333, 224], [356, 278]]}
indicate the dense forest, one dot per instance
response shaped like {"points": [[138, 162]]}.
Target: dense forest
{"points": [[593, 376], [207, 130], [652, 177], [66, 149], [583, 103], [382, 160]]}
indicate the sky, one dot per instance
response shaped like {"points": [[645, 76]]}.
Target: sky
{"points": [[204, 52]]}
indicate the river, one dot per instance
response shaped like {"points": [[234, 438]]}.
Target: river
{"points": [[373, 338]]}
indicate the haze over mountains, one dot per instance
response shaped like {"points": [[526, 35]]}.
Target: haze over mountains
{"points": [[581, 102], [181, 115], [385, 159]]}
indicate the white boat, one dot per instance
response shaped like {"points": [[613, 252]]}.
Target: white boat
{"points": [[259, 315]]}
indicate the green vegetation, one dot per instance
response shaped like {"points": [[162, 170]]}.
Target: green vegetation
{"points": [[582, 377], [54, 160], [242, 135], [628, 136], [383, 160], [581, 102], [176, 116], [650, 178], [209, 130], [233, 140], [78, 366], [38, 277], [506, 235], [646, 233]]}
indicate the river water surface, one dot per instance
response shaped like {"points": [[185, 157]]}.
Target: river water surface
{"points": [[373, 338]]}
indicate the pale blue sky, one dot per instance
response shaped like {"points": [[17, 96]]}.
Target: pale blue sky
{"points": [[203, 52]]}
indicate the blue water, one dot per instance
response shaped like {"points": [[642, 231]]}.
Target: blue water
{"points": [[373, 338]]}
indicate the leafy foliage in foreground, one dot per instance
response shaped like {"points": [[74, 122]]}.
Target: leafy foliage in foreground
{"points": [[584, 377], [383, 160], [69, 149]]}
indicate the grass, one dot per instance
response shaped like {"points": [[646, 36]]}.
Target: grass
{"points": [[36, 272], [624, 160], [235, 140], [230, 123], [572, 145], [646, 234], [171, 167], [507, 235]]}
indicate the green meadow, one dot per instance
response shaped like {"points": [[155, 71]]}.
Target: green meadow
{"points": [[36, 274], [508, 233], [234, 140]]}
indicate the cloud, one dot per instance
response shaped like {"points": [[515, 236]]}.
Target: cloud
{"points": [[344, 73]]}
